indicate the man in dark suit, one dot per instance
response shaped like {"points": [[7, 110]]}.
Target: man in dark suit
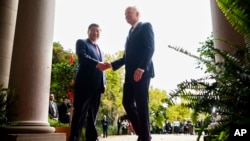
{"points": [[89, 84], [64, 110], [105, 124], [137, 58]]}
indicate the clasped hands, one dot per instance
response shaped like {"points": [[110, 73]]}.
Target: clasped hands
{"points": [[102, 66]]}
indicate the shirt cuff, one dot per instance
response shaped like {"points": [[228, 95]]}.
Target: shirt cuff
{"points": [[142, 70]]}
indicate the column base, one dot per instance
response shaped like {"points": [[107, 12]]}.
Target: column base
{"points": [[26, 129], [34, 137]]}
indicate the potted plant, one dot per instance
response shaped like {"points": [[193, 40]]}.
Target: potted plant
{"points": [[60, 127]]}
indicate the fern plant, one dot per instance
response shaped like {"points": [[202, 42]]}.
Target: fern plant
{"points": [[237, 13], [226, 87]]}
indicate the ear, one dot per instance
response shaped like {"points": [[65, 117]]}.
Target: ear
{"points": [[138, 14]]}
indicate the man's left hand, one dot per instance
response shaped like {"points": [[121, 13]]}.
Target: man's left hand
{"points": [[138, 74]]}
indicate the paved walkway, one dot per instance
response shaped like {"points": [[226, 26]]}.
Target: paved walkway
{"points": [[161, 137]]}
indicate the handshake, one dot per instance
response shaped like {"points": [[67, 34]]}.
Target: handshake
{"points": [[102, 66]]}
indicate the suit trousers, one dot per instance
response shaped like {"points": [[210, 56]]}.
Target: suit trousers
{"points": [[135, 102], [86, 104]]}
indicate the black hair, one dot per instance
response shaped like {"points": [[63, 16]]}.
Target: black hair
{"points": [[93, 25]]}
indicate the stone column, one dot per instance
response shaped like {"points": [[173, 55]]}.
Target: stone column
{"points": [[31, 66], [8, 12], [222, 29]]}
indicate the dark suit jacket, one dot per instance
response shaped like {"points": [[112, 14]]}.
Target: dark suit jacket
{"points": [[88, 76], [63, 110], [139, 49]]}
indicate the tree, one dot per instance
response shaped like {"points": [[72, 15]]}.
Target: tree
{"points": [[61, 79], [178, 111], [157, 106], [60, 55], [62, 73]]}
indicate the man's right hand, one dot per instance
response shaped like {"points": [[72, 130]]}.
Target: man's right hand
{"points": [[102, 66]]}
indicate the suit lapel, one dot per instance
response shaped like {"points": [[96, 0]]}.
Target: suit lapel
{"points": [[136, 28], [131, 34], [94, 48]]}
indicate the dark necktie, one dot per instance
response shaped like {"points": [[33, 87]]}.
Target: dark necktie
{"points": [[130, 31], [97, 50]]}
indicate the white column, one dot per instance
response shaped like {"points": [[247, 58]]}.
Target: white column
{"points": [[31, 65], [8, 12]]}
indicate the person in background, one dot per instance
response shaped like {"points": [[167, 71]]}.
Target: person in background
{"points": [[64, 110], [119, 123], [89, 85], [105, 124], [53, 109], [176, 125], [124, 127]]}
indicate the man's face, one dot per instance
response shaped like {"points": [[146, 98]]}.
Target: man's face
{"points": [[51, 97], [132, 15], [94, 33]]}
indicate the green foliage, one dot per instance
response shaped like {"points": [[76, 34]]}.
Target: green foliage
{"points": [[7, 99], [157, 106], [55, 123], [178, 111], [237, 13], [60, 55], [226, 87], [62, 73], [61, 77]]}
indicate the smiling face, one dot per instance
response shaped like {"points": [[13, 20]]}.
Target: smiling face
{"points": [[94, 32], [131, 15]]}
